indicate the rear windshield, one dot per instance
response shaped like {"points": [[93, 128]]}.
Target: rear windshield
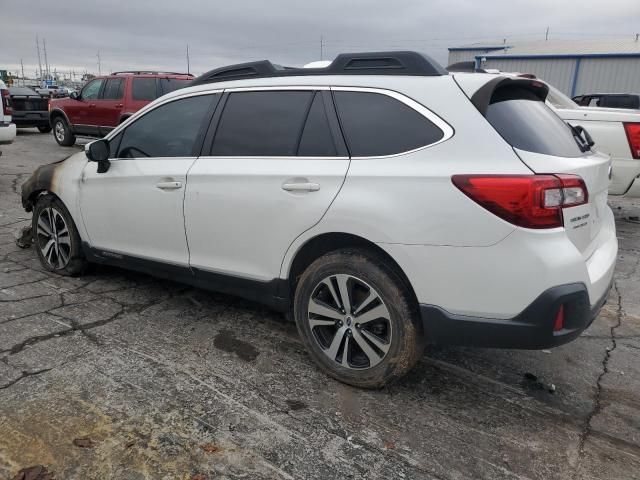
{"points": [[526, 123], [620, 101]]}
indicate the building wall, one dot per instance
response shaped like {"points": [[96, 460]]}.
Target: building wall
{"points": [[608, 75], [558, 72]]}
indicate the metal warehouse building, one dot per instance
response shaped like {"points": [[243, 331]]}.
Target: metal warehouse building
{"points": [[573, 66]]}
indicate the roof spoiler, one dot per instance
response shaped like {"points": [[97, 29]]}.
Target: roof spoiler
{"points": [[367, 63], [481, 99]]}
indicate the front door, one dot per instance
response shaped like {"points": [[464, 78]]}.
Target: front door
{"points": [[136, 207], [271, 173], [81, 113]]}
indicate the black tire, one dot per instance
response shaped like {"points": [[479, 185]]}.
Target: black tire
{"points": [[62, 132], [403, 327], [44, 129], [70, 260]]}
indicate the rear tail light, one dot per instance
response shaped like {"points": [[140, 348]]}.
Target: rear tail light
{"points": [[6, 102], [633, 136], [559, 322], [530, 201]]}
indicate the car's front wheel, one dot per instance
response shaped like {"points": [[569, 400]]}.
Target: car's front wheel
{"points": [[62, 132], [44, 129], [56, 237], [356, 318]]}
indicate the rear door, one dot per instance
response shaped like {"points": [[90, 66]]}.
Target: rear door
{"points": [[271, 169], [546, 144], [109, 106], [136, 207]]}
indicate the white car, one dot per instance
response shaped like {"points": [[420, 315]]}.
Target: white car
{"points": [[615, 131], [7, 129], [382, 201]]}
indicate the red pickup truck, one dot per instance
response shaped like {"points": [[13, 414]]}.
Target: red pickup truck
{"points": [[106, 101]]}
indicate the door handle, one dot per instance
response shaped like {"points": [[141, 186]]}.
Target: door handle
{"points": [[91, 105], [169, 185], [301, 187], [119, 105]]}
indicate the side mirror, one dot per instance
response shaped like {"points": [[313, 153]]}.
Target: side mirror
{"points": [[98, 151], [74, 95]]}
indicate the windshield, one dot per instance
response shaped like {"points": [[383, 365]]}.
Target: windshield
{"points": [[559, 99]]}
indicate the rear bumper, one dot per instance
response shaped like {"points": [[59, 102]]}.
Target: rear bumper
{"points": [[28, 119], [533, 328], [7, 133]]}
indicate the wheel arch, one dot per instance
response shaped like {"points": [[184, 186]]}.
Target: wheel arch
{"points": [[324, 243], [56, 112]]}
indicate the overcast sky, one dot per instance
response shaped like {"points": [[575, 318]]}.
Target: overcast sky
{"points": [[154, 34]]}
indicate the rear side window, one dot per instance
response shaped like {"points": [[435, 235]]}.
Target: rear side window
{"points": [[113, 89], [267, 123], [526, 123], [144, 89], [377, 125], [170, 130], [171, 84]]}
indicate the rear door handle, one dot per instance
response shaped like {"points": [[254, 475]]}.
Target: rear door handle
{"points": [[119, 105], [169, 185], [301, 187]]}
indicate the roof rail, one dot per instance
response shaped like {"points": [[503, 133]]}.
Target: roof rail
{"points": [[367, 63], [149, 72]]}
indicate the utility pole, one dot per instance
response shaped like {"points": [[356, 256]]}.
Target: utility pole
{"points": [[99, 66], [46, 62], [39, 60], [22, 68], [546, 35], [188, 66], [321, 47]]}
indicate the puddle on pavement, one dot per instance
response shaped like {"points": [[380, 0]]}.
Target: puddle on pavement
{"points": [[225, 341]]}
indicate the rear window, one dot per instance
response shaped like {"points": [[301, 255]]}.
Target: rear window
{"points": [[171, 84], [526, 123], [620, 101], [144, 89]]}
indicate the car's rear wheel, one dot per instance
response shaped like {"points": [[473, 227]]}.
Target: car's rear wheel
{"points": [[62, 132], [356, 318], [56, 237], [44, 129]]}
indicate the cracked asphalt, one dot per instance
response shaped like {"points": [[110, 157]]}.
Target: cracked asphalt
{"points": [[172, 382]]}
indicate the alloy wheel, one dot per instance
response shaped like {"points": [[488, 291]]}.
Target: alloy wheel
{"points": [[53, 238], [350, 321], [59, 131]]}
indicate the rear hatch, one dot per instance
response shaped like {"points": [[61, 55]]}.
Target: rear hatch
{"points": [[547, 145], [26, 100]]}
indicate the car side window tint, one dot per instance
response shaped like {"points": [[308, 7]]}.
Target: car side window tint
{"points": [[263, 123], [170, 130], [113, 89], [144, 89], [375, 124], [171, 84], [92, 89], [316, 140]]}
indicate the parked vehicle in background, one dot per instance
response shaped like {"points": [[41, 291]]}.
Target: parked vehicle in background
{"points": [[105, 102], [53, 91], [7, 128], [30, 109], [380, 200], [615, 132], [609, 100]]}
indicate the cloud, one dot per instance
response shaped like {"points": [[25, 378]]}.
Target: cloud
{"points": [[153, 35]]}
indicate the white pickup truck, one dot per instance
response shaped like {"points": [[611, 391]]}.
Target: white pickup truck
{"points": [[615, 131]]}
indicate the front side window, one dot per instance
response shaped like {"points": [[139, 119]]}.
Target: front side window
{"points": [[113, 89], [263, 123], [527, 123], [171, 130], [92, 89], [144, 89], [376, 125]]}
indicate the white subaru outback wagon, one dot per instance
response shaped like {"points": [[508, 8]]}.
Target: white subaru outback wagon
{"points": [[384, 202]]}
